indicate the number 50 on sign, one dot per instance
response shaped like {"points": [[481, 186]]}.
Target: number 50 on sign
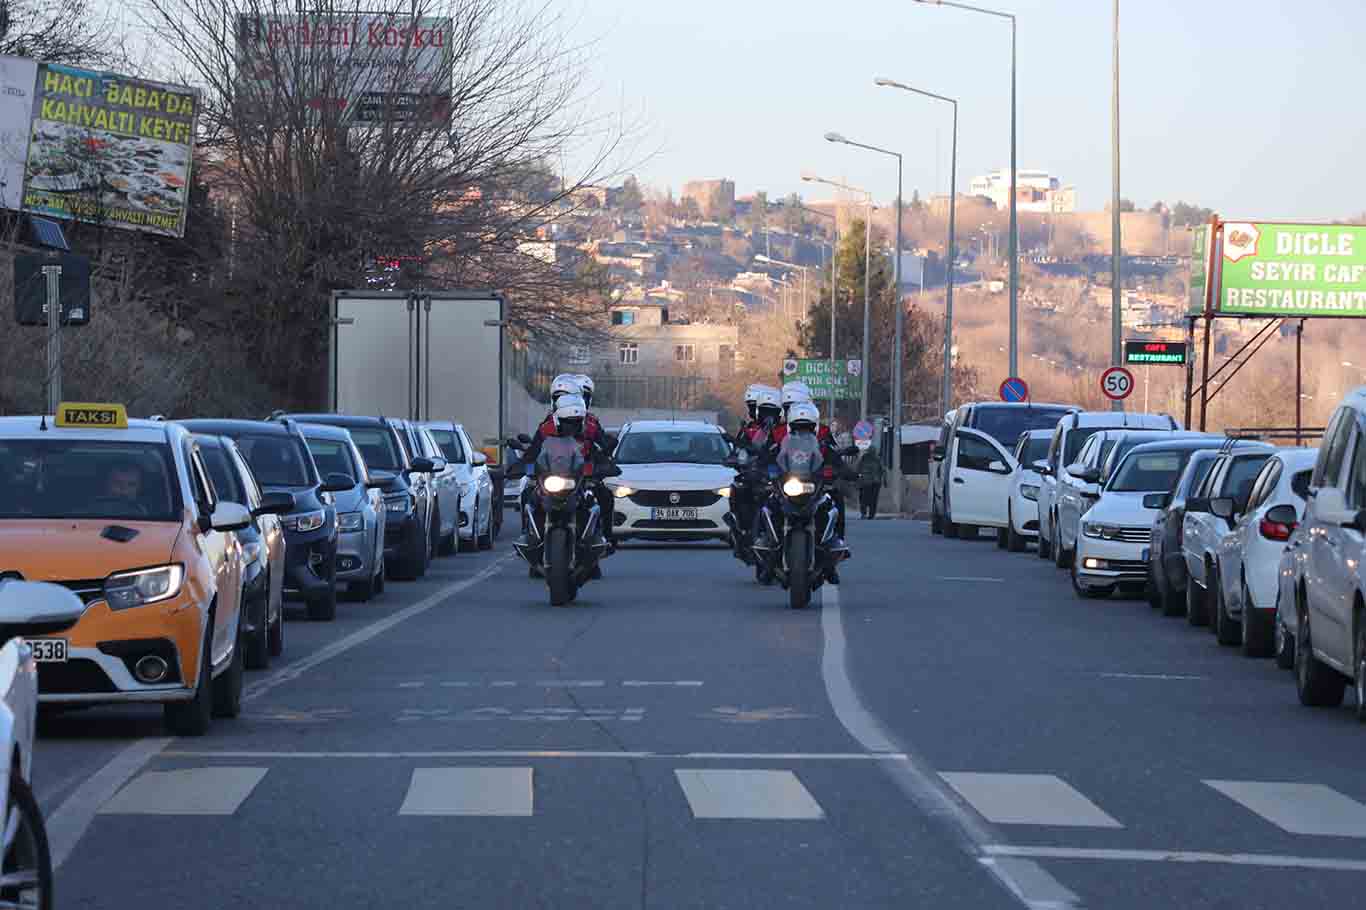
{"points": [[1116, 383]]}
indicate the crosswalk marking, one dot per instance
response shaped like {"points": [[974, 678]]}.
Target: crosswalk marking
{"points": [[186, 791], [1028, 799], [744, 793], [1298, 808], [469, 791]]}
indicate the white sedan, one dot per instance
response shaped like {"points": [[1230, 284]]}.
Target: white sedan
{"points": [[673, 483], [1022, 518], [478, 525]]}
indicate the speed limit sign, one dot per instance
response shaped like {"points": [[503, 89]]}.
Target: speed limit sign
{"points": [[1116, 383]]}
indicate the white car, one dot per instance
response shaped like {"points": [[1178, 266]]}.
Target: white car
{"points": [[1022, 518], [469, 466], [1116, 533], [1069, 436], [27, 610], [1249, 558], [674, 484], [979, 471], [1231, 477]]}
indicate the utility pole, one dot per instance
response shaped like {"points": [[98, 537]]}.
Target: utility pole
{"points": [[1116, 239], [53, 274]]}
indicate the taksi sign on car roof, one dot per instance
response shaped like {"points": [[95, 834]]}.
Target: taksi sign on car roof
{"points": [[1269, 269], [84, 414]]}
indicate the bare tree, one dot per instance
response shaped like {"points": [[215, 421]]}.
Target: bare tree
{"points": [[60, 31]]}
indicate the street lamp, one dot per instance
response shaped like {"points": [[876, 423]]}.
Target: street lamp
{"points": [[947, 392], [769, 260], [1014, 217], [896, 284]]}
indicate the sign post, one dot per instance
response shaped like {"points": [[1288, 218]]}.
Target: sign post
{"points": [[53, 274], [1117, 383], [1014, 389]]}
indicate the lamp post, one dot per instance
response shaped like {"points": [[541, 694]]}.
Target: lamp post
{"points": [[1014, 216], [1116, 292], [769, 260], [946, 394]]}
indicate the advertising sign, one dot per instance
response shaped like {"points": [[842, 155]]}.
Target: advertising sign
{"points": [[841, 379], [372, 67], [1293, 270], [1148, 352], [17, 77], [1199, 266], [110, 149]]}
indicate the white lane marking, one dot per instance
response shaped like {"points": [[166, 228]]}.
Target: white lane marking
{"points": [[1159, 676], [552, 753], [519, 715], [411, 685], [746, 793], [1264, 860], [571, 683], [1028, 799], [1039, 890], [682, 683], [469, 791], [972, 578], [186, 791], [73, 817], [459, 685], [1298, 808], [503, 684]]}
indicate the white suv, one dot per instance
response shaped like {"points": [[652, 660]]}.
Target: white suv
{"points": [[1330, 639]]}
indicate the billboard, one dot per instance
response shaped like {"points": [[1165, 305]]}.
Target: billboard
{"points": [[17, 78], [1199, 266], [371, 67], [1149, 352], [840, 379], [110, 149], [1292, 270]]}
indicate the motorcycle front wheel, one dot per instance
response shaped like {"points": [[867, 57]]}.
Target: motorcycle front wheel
{"points": [[558, 549], [798, 569]]}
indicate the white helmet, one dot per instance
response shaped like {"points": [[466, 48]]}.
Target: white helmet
{"points": [[570, 410], [804, 413], [767, 398], [794, 392], [752, 393], [585, 382], [564, 384]]}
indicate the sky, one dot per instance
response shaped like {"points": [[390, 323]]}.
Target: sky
{"points": [[1245, 106]]}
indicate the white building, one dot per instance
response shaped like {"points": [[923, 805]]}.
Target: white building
{"points": [[1036, 191]]}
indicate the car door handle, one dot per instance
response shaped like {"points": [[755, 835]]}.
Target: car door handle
{"points": [[959, 480]]}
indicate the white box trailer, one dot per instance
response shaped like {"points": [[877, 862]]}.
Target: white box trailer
{"points": [[421, 355]]}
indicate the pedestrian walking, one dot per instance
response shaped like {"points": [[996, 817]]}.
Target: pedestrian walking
{"points": [[870, 474]]}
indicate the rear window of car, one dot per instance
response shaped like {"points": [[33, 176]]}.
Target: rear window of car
{"points": [[665, 447], [222, 474], [377, 447], [1005, 424], [332, 456], [62, 478]]}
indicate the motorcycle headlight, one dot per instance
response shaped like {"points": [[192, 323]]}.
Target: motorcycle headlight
{"points": [[557, 484], [398, 505], [723, 492], [304, 522], [622, 491], [794, 487], [1029, 491], [145, 586], [351, 521]]}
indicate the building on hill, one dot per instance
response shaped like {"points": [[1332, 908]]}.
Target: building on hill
{"points": [[715, 199], [649, 360], [1035, 191]]}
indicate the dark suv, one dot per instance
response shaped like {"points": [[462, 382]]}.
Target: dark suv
{"points": [[280, 461], [408, 539]]}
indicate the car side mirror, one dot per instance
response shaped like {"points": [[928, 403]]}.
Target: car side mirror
{"points": [[479, 459], [338, 483], [439, 464], [1198, 505], [938, 454], [1075, 468], [421, 465], [1157, 500], [1042, 468], [32, 608], [229, 516], [1283, 515], [998, 467], [1223, 507], [1086, 475], [1090, 490], [380, 480], [276, 503], [610, 470]]}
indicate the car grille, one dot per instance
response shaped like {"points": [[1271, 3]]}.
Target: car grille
{"points": [[663, 498], [88, 590], [76, 676], [1135, 566], [1134, 535]]}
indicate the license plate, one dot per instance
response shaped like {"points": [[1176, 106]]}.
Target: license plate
{"points": [[48, 650], [673, 514], [1146, 551]]}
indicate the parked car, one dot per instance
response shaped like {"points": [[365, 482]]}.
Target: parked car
{"points": [[1001, 421], [1112, 548], [480, 517], [408, 541], [1069, 436], [281, 463], [361, 516], [1249, 558], [263, 548], [1330, 637], [1166, 562], [1022, 512], [1231, 477], [440, 484], [979, 470], [1290, 570]]}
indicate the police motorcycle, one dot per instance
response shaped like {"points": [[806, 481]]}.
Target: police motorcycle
{"points": [[753, 480], [564, 542], [797, 543]]}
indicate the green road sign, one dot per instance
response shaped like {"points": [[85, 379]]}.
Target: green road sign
{"points": [[1293, 270], [1199, 265], [843, 377]]}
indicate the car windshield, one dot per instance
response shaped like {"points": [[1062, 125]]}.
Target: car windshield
{"points": [[1034, 450], [1005, 424], [449, 443], [62, 478], [377, 447], [276, 460], [1148, 472], [332, 456], [671, 447], [222, 474]]}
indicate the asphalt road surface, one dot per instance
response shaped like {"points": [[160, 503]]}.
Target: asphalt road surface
{"points": [[949, 728]]}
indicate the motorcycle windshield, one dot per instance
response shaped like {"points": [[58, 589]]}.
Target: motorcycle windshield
{"points": [[560, 455], [800, 456]]}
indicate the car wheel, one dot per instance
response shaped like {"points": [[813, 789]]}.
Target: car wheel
{"points": [[1284, 643], [1059, 554], [1361, 666], [1088, 593], [1015, 541], [257, 655], [936, 522], [227, 688], [1152, 589], [1225, 629], [1197, 614], [1258, 631], [27, 859], [362, 590], [192, 718], [323, 608], [1318, 685], [277, 634], [951, 530], [1045, 545], [485, 541]]}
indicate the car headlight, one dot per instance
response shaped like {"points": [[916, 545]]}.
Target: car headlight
{"points": [[398, 505], [251, 551], [351, 521], [622, 491], [723, 492], [1093, 529], [794, 487], [1029, 491], [145, 586], [304, 521], [557, 484]]}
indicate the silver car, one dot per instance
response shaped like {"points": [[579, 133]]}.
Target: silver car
{"points": [[360, 510], [478, 523]]}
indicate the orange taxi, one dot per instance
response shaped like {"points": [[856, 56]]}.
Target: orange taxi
{"points": [[123, 513]]}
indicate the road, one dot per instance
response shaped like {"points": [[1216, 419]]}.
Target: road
{"points": [[950, 728]]}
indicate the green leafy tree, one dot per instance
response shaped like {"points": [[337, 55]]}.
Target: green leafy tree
{"points": [[1186, 214]]}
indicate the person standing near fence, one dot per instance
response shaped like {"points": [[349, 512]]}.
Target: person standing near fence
{"points": [[870, 475]]}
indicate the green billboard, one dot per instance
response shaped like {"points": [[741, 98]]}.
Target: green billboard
{"points": [[1292, 270], [843, 378], [1199, 267]]}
